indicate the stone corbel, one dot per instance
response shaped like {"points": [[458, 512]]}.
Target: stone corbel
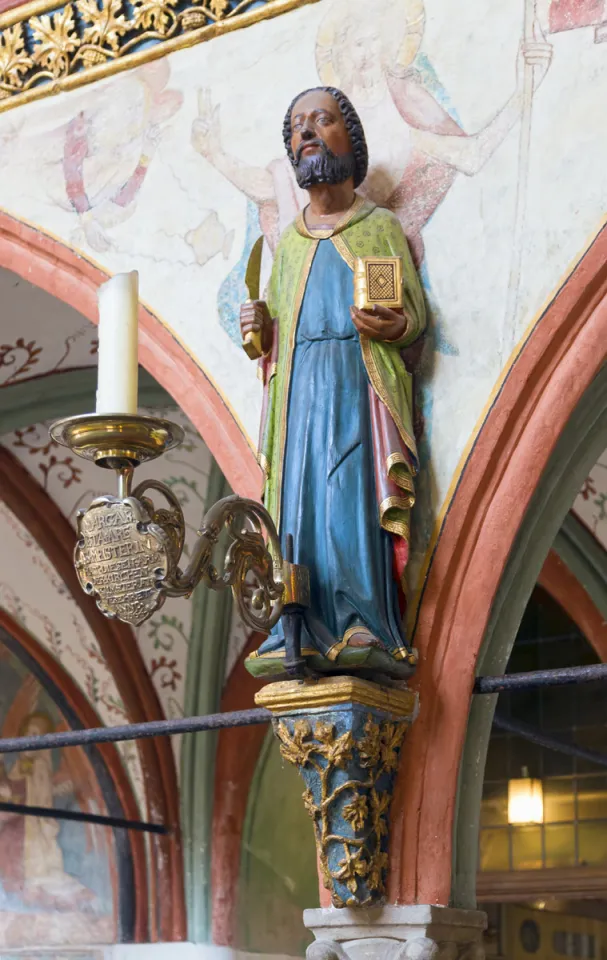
{"points": [[344, 735]]}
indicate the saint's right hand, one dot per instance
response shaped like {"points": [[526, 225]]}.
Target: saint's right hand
{"points": [[255, 318]]}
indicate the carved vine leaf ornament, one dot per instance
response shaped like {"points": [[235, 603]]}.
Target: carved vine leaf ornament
{"points": [[54, 39], [14, 60], [105, 27], [219, 8], [319, 751], [155, 15], [76, 36]]}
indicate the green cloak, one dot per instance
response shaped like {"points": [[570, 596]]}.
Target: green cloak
{"points": [[365, 231]]}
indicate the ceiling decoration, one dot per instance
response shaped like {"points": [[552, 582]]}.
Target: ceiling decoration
{"points": [[591, 503], [40, 334], [45, 47], [34, 595]]}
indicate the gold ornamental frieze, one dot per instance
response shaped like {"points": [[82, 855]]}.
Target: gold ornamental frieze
{"points": [[46, 48]]}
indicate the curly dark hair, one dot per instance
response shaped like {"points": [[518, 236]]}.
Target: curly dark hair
{"points": [[353, 126]]}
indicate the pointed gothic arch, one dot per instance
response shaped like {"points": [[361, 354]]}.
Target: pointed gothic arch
{"points": [[543, 430]]}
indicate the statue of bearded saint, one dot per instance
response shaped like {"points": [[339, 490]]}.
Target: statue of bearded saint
{"points": [[337, 444]]}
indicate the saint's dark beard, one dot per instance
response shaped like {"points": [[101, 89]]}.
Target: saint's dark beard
{"points": [[323, 167]]}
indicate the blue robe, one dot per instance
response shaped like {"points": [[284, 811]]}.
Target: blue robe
{"points": [[329, 501]]}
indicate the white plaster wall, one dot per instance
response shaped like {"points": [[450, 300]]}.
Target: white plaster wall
{"points": [[187, 227]]}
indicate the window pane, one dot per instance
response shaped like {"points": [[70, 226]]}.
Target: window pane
{"points": [[558, 801], [494, 808], [594, 739], [494, 850], [592, 843], [524, 754], [592, 798], [559, 943], [590, 705], [557, 708], [526, 848], [557, 764], [560, 846]]}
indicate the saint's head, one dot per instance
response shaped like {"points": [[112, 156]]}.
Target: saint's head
{"points": [[324, 139], [36, 725]]}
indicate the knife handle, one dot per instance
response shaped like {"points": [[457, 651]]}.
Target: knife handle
{"points": [[252, 344]]}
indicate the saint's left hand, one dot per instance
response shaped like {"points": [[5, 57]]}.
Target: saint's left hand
{"points": [[381, 323]]}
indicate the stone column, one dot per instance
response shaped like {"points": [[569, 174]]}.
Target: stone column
{"points": [[417, 932]]}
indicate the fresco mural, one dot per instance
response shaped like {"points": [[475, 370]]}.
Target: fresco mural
{"points": [[73, 483], [34, 595], [591, 504], [45, 337], [493, 164], [54, 875]]}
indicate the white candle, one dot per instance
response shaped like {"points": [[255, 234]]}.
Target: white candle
{"points": [[117, 372]]}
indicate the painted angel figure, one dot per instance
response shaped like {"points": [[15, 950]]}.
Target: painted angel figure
{"points": [[376, 61], [94, 164], [31, 855]]}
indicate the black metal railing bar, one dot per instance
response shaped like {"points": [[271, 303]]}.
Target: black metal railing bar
{"points": [[135, 731], [56, 813], [541, 678], [549, 742]]}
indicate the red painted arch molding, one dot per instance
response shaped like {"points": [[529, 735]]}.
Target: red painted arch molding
{"points": [[557, 364], [89, 718], [565, 589], [46, 524]]}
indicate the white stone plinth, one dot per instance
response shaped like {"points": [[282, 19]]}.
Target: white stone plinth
{"points": [[415, 932]]}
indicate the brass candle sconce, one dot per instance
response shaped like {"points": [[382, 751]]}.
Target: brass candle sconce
{"points": [[129, 550]]}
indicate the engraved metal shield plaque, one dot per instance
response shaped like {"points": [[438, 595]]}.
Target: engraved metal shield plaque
{"points": [[122, 557]]}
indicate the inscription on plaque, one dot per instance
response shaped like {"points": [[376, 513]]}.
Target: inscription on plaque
{"points": [[120, 558]]}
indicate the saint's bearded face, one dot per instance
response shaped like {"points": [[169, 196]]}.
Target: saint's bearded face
{"points": [[322, 167], [321, 145]]}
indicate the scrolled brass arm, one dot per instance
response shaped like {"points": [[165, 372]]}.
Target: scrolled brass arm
{"points": [[128, 552], [253, 571]]}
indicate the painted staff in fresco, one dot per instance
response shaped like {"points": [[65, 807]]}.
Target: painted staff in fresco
{"points": [[540, 16], [337, 441], [378, 63]]}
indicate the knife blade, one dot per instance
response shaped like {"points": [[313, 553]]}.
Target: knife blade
{"points": [[252, 342]]}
